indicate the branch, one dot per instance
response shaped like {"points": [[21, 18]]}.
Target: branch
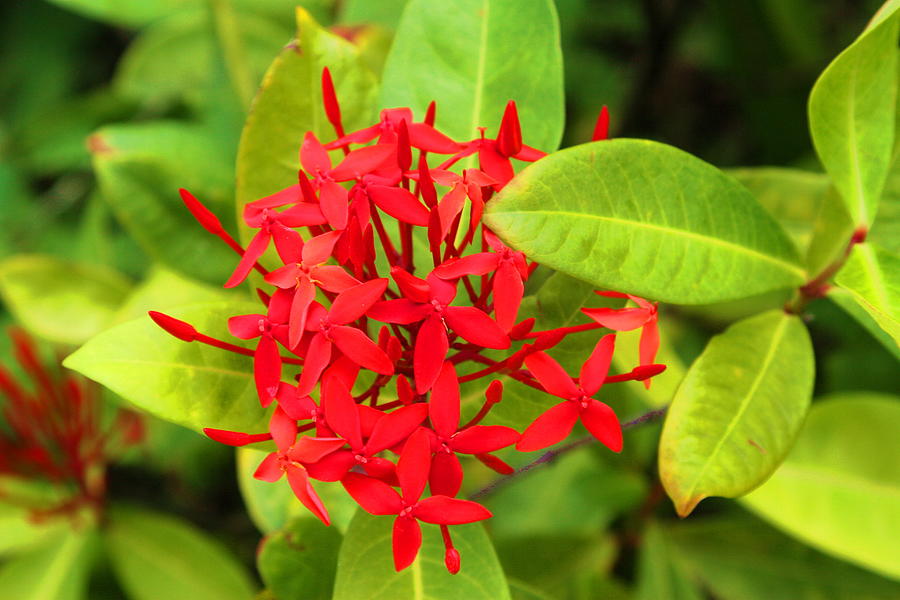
{"points": [[551, 455]]}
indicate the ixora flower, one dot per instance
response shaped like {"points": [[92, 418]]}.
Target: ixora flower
{"points": [[53, 432], [364, 359]]}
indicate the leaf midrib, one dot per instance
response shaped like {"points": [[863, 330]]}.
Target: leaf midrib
{"points": [[712, 241], [777, 336]]}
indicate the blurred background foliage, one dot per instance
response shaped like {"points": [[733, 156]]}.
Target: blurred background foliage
{"points": [[106, 108]]}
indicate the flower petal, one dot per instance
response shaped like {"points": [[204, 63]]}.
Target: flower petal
{"points": [[353, 303], [596, 367], [479, 439], [443, 406], [508, 293], [443, 510], [414, 465], [357, 346], [254, 250], [551, 427], [269, 469], [476, 327], [267, 369], [395, 427], [446, 474], [298, 479], [341, 413], [399, 203], [431, 349], [623, 319], [374, 496], [406, 541], [603, 424], [474, 264], [551, 375]]}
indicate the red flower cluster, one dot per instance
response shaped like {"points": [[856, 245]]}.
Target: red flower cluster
{"points": [[347, 309], [54, 432]]}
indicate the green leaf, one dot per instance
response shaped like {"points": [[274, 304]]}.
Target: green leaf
{"points": [[366, 567], [130, 13], [852, 113], [273, 505], [576, 495], [190, 384], [57, 571], [660, 574], [299, 561], [472, 57], [158, 556], [846, 301], [175, 58], [831, 231], [289, 104], [163, 289], [62, 301], [19, 532], [140, 167], [737, 411], [872, 276], [741, 558], [385, 13], [839, 489], [792, 196], [647, 219]]}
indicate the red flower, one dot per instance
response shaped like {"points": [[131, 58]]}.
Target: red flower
{"points": [[290, 458], [625, 319], [378, 498], [429, 301], [555, 424], [449, 439]]}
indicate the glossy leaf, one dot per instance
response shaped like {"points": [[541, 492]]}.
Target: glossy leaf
{"points": [[852, 113], [831, 232], [158, 556], [175, 58], [737, 411], [846, 301], [872, 276], [19, 532], [123, 12], [838, 489], [741, 558], [299, 560], [366, 569], [792, 196], [140, 167], [289, 104], [60, 300], [183, 382], [472, 57], [647, 219], [273, 505], [163, 289], [56, 571]]}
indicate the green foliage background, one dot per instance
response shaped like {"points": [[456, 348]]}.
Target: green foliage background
{"points": [[106, 108]]}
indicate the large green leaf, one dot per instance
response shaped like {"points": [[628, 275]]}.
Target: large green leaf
{"points": [[299, 560], [187, 383], [19, 532], [848, 302], [140, 167], [366, 568], [158, 556], [272, 505], [792, 196], [737, 557], [175, 58], [852, 113], [660, 574], [56, 571], [472, 56], [737, 411], [60, 300], [839, 489], [163, 289], [289, 104], [648, 219], [872, 276], [125, 12], [576, 495]]}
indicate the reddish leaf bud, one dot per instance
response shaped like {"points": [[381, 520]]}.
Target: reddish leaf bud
{"points": [[452, 560], [329, 98], [235, 438], [404, 150], [204, 216], [509, 138], [601, 128], [180, 329], [430, 113]]}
